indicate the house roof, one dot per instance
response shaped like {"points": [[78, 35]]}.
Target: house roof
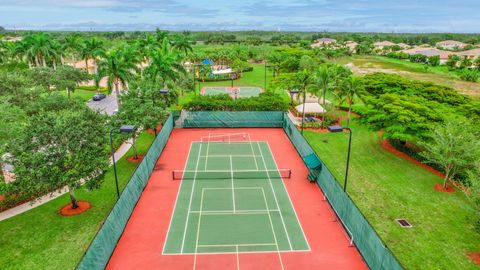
{"points": [[433, 52], [417, 49], [472, 52], [383, 43], [450, 43], [325, 40]]}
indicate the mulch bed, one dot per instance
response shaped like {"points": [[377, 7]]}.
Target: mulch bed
{"points": [[439, 187], [387, 146], [475, 257], [152, 131], [135, 160], [67, 209]]}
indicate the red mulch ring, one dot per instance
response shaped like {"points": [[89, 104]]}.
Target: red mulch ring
{"points": [[135, 160], [441, 188], [475, 257], [67, 209], [152, 131]]}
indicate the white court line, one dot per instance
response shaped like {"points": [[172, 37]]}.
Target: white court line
{"points": [[231, 155], [175, 204], [236, 213], [290, 200], [198, 231], [232, 213], [208, 147], [273, 229], [253, 152], [247, 252], [275, 197], [191, 196], [238, 245], [213, 188], [233, 186], [238, 259]]}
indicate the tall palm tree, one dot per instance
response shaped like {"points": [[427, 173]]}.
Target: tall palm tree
{"points": [[38, 46], [119, 68], [353, 88], [56, 53], [325, 77], [182, 43], [91, 48], [72, 45], [303, 81], [146, 46], [165, 64]]}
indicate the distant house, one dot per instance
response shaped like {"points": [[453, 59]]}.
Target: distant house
{"points": [[92, 66], [383, 44], [472, 54], [323, 42], [450, 44], [12, 39], [351, 45], [430, 52], [403, 46]]}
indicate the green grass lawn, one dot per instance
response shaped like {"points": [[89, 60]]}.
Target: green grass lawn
{"points": [[43, 239], [387, 187], [84, 95]]}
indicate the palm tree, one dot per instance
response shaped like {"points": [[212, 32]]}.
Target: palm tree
{"points": [[146, 46], [303, 80], [325, 77], [91, 48], [38, 46], [72, 45], [56, 53], [165, 64], [119, 68], [182, 43], [353, 88]]}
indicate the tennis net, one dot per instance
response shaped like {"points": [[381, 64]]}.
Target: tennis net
{"points": [[227, 174], [233, 137]]}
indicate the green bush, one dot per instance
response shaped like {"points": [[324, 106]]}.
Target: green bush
{"points": [[471, 75], [264, 102]]}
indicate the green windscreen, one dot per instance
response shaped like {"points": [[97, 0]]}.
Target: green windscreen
{"points": [[102, 246]]}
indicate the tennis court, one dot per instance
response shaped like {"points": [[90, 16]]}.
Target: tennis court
{"points": [[234, 92], [232, 199], [248, 203]]}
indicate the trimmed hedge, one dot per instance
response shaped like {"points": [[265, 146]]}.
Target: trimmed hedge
{"points": [[264, 102]]}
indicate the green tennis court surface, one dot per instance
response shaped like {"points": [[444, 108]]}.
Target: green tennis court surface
{"points": [[232, 199], [240, 91]]}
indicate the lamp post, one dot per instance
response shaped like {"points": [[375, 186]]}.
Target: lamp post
{"points": [[265, 78], [292, 92], [341, 129], [123, 129], [162, 92], [194, 78]]}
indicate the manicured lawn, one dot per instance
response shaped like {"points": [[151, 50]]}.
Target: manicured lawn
{"points": [[387, 187], [43, 239], [84, 95]]}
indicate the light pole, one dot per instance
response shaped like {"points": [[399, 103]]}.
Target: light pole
{"points": [[265, 78], [292, 92], [341, 129], [123, 129], [162, 92]]}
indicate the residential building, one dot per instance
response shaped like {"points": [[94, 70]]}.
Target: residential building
{"points": [[383, 44], [324, 42], [451, 44], [351, 45]]}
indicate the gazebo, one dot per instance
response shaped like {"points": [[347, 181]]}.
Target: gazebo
{"points": [[311, 108]]}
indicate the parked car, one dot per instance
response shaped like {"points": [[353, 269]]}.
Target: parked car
{"points": [[98, 97]]}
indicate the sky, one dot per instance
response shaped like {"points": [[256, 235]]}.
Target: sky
{"points": [[417, 16]]}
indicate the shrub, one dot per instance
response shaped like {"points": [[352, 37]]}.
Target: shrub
{"points": [[471, 75], [264, 102]]}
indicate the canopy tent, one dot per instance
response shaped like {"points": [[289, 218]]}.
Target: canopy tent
{"points": [[310, 108], [207, 61], [223, 71]]}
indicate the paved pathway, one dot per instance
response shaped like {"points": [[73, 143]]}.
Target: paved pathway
{"points": [[121, 151]]}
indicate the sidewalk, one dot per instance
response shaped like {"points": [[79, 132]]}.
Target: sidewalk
{"points": [[121, 151]]}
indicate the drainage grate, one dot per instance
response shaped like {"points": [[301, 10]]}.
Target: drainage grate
{"points": [[404, 223]]}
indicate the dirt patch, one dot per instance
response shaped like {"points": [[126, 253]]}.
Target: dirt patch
{"points": [[475, 257], [67, 209], [135, 160], [441, 188]]}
